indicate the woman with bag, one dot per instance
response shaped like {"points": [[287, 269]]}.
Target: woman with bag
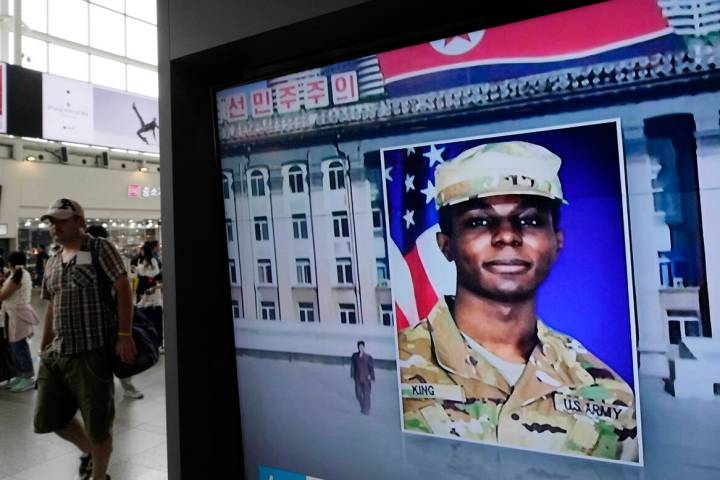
{"points": [[15, 296], [147, 268]]}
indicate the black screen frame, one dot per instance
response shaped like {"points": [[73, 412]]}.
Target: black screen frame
{"points": [[203, 410]]}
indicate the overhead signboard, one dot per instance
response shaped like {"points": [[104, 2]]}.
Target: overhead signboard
{"points": [[125, 121], [67, 110], [79, 112]]}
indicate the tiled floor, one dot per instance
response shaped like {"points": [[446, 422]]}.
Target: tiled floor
{"points": [[140, 447]]}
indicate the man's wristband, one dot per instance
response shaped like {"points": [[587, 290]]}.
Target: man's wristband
{"points": [[125, 334]]}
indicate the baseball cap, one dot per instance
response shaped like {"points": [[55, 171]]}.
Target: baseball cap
{"points": [[62, 209], [504, 168]]}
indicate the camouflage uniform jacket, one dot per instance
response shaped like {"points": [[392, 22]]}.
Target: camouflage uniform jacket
{"points": [[566, 400]]}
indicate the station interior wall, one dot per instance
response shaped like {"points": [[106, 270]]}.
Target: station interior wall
{"points": [[29, 187]]}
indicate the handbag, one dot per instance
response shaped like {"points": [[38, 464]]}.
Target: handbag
{"points": [[7, 358], [143, 332]]}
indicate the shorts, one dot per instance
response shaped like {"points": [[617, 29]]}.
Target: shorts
{"points": [[67, 383]]}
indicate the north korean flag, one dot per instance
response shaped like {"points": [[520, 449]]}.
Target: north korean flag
{"points": [[605, 32]]}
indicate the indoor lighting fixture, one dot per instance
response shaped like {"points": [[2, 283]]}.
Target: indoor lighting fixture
{"points": [[143, 169], [28, 223], [30, 158]]}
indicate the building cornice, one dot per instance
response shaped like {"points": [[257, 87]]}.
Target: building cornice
{"points": [[600, 80]]}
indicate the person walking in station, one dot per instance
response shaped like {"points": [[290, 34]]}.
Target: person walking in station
{"points": [[21, 319], [81, 335]]}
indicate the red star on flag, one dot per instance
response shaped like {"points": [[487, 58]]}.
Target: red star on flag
{"points": [[464, 36]]}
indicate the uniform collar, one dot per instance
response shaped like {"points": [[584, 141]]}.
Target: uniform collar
{"points": [[552, 365]]}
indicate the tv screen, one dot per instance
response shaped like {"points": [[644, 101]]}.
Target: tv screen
{"points": [[492, 255]]}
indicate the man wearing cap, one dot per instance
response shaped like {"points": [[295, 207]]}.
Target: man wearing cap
{"points": [[82, 333], [482, 366]]}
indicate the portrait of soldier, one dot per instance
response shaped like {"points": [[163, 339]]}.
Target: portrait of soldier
{"points": [[482, 366]]}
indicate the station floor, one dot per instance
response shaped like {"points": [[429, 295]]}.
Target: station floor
{"points": [[140, 446]]}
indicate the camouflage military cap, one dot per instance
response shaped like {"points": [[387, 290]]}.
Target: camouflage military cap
{"points": [[505, 168]]}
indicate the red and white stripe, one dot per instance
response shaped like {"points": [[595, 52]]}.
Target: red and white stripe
{"points": [[419, 279]]}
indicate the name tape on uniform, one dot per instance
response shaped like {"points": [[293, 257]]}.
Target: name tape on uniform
{"points": [[569, 404], [432, 390]]}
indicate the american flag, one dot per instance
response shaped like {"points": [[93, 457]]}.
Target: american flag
{"points": [[419, 272]]}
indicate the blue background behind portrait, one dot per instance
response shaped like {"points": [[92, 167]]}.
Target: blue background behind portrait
{"points": [[586, 294]]}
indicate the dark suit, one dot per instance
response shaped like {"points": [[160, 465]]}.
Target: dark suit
{"points": [[362, 371]]}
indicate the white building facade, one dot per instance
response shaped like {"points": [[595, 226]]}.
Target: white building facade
{"points": [[301, 227]]}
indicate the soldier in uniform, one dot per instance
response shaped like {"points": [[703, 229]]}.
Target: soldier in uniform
{"points": [[482, 366]]}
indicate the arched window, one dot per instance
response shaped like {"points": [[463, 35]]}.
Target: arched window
{"points": [[257, 184], [295, 178], [336, 175]]}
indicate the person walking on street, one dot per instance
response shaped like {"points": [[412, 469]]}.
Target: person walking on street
{"points": [[81, 335], [363, 373]]}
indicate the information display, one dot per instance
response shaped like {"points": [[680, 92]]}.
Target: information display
{"points": [[492, 255], [75, 111]]}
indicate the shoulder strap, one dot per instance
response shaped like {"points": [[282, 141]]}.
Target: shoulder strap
{"points": [[104, 284]]}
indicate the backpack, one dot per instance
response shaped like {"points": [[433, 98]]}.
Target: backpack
{"points": [[144, 334]]}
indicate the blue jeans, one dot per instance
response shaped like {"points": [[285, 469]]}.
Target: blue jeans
{"points": [[23, 358]]}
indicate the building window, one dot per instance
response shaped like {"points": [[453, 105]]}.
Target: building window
{"points": [[302, 267], [261, 229], [307, 311], [682, 324], [377, 219], [344, 270], [382, 270], [233, 273], [341, 227], [347, 313], [236, 309], [257, 184], [296, 180], [264, 271], [267, 310], [300, 227], [229, 229], [386, 315], [226, 188], [336, 176]]}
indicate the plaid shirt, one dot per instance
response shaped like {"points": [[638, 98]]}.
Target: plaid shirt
{"points": [[82, 321]]}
